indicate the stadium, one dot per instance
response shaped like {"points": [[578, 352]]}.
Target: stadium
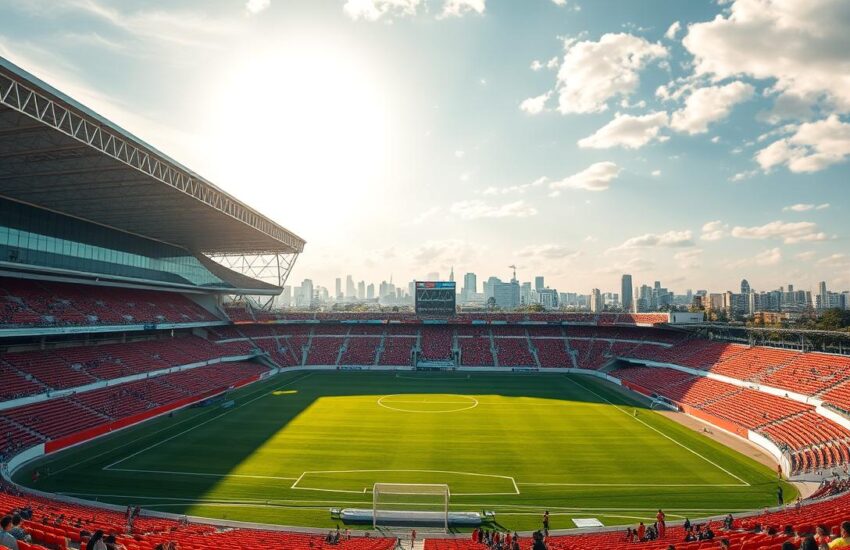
{"points": [[151, 391]]}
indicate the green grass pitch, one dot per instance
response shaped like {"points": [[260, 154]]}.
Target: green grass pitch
{"points": [[302, 442]]}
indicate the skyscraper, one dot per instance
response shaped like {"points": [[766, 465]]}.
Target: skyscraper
{"points": [[822, 294], [361, 290], [595, 300], [470, 287], [626, 293], [349, 287], [338, 293], [745, 287], [538, 283]]}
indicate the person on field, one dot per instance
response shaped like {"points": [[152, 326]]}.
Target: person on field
{"points": [[546, 522], [779, 496]]}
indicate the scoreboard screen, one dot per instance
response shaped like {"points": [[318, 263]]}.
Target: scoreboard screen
{"points": [[435, 298]]}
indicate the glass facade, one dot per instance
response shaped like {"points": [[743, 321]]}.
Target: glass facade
{"points": [[36, 237]]}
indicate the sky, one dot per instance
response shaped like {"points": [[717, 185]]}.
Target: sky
{"points": [[691, 142]]}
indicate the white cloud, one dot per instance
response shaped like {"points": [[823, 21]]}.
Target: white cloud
{"points": [[656, 173], [372, 10], [592, 73], [803, 45], [446, 251], [745, 175], [457, 8], [559, 2], [631, 132], [771, 256], [673, 30], [596, 177], [714, 231], [789, 233], [688, 259], [256, 6], [460, 154], [813, 147], [519, 189], [535, 105], [670, 239], [536, 65], [709, 104], [801, 207], [425, 215], [548, 251], [477, 209], [835, 260]]}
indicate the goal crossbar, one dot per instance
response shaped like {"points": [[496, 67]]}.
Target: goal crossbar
{"points": [[439, 494]]}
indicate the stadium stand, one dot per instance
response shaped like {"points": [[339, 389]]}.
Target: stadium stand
{"points": [[29, 303]]}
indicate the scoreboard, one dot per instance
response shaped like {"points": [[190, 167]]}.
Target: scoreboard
{"points": [[435, 298]]}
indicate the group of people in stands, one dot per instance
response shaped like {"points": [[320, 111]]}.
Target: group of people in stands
{"points": [[496, 540], [11, 531]]}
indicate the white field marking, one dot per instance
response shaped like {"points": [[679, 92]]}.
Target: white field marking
{"points": [[719, 467], [199, 474], [471, 404], [324, 503], [631, 484], [113, 449], [427, 378], [473, 474], [158, 443]]}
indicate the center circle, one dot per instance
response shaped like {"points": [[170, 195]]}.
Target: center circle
{"points": [[427, 403]]}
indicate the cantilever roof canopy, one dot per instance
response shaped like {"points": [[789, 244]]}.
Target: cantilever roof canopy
{"points": [[57, 154]]}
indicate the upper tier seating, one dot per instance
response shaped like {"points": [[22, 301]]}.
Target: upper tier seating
{"points": [[71, 367], [436, 343], [25, 302]]}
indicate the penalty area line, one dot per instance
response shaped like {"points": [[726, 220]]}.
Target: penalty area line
{"points": [[659, 432]]}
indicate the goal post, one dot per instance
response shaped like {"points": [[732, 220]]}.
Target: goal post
{"points": [[410, 503]]}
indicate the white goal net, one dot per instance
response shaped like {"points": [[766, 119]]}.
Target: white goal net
{"points": [[410, 504]]}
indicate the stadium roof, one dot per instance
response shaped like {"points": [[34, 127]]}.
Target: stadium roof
{"points": [[57, 154]]}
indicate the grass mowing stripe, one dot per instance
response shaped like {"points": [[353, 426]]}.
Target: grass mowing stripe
{"points": [[228, 411], [653, 428]]}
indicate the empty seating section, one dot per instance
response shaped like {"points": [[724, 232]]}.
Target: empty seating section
{"points": [[324, 350], [552, 352], [398, 350], [591, 354], [25, 302], [475, 350], [514, 352], [813, 441], [72, 367], [361, 350], [148, 532], [59, 417], [436, 343]]}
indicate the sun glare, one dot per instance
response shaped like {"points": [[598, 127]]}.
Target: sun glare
{"points": [[308, 118]]}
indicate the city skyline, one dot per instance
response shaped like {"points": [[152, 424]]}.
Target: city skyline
{"points": [[675, 141]]}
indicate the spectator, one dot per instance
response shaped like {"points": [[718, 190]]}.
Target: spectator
{"points": [[17, 531], [728, 523], [843, 540], [6, 539], [724, 544], [809, 543], [96, 541], [822, 535]]}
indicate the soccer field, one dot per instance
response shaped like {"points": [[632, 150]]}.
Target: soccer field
{"points": [[302, 442]]}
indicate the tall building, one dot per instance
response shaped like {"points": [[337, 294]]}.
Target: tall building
{"points": [[470, 287], [361, 290], [506, 294], [452, 274], [823, 296], [370, 291], [745, 287], [349, 287], [538, 283], [338, 288], [626, 293], [525, 294], [595, 300]]}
